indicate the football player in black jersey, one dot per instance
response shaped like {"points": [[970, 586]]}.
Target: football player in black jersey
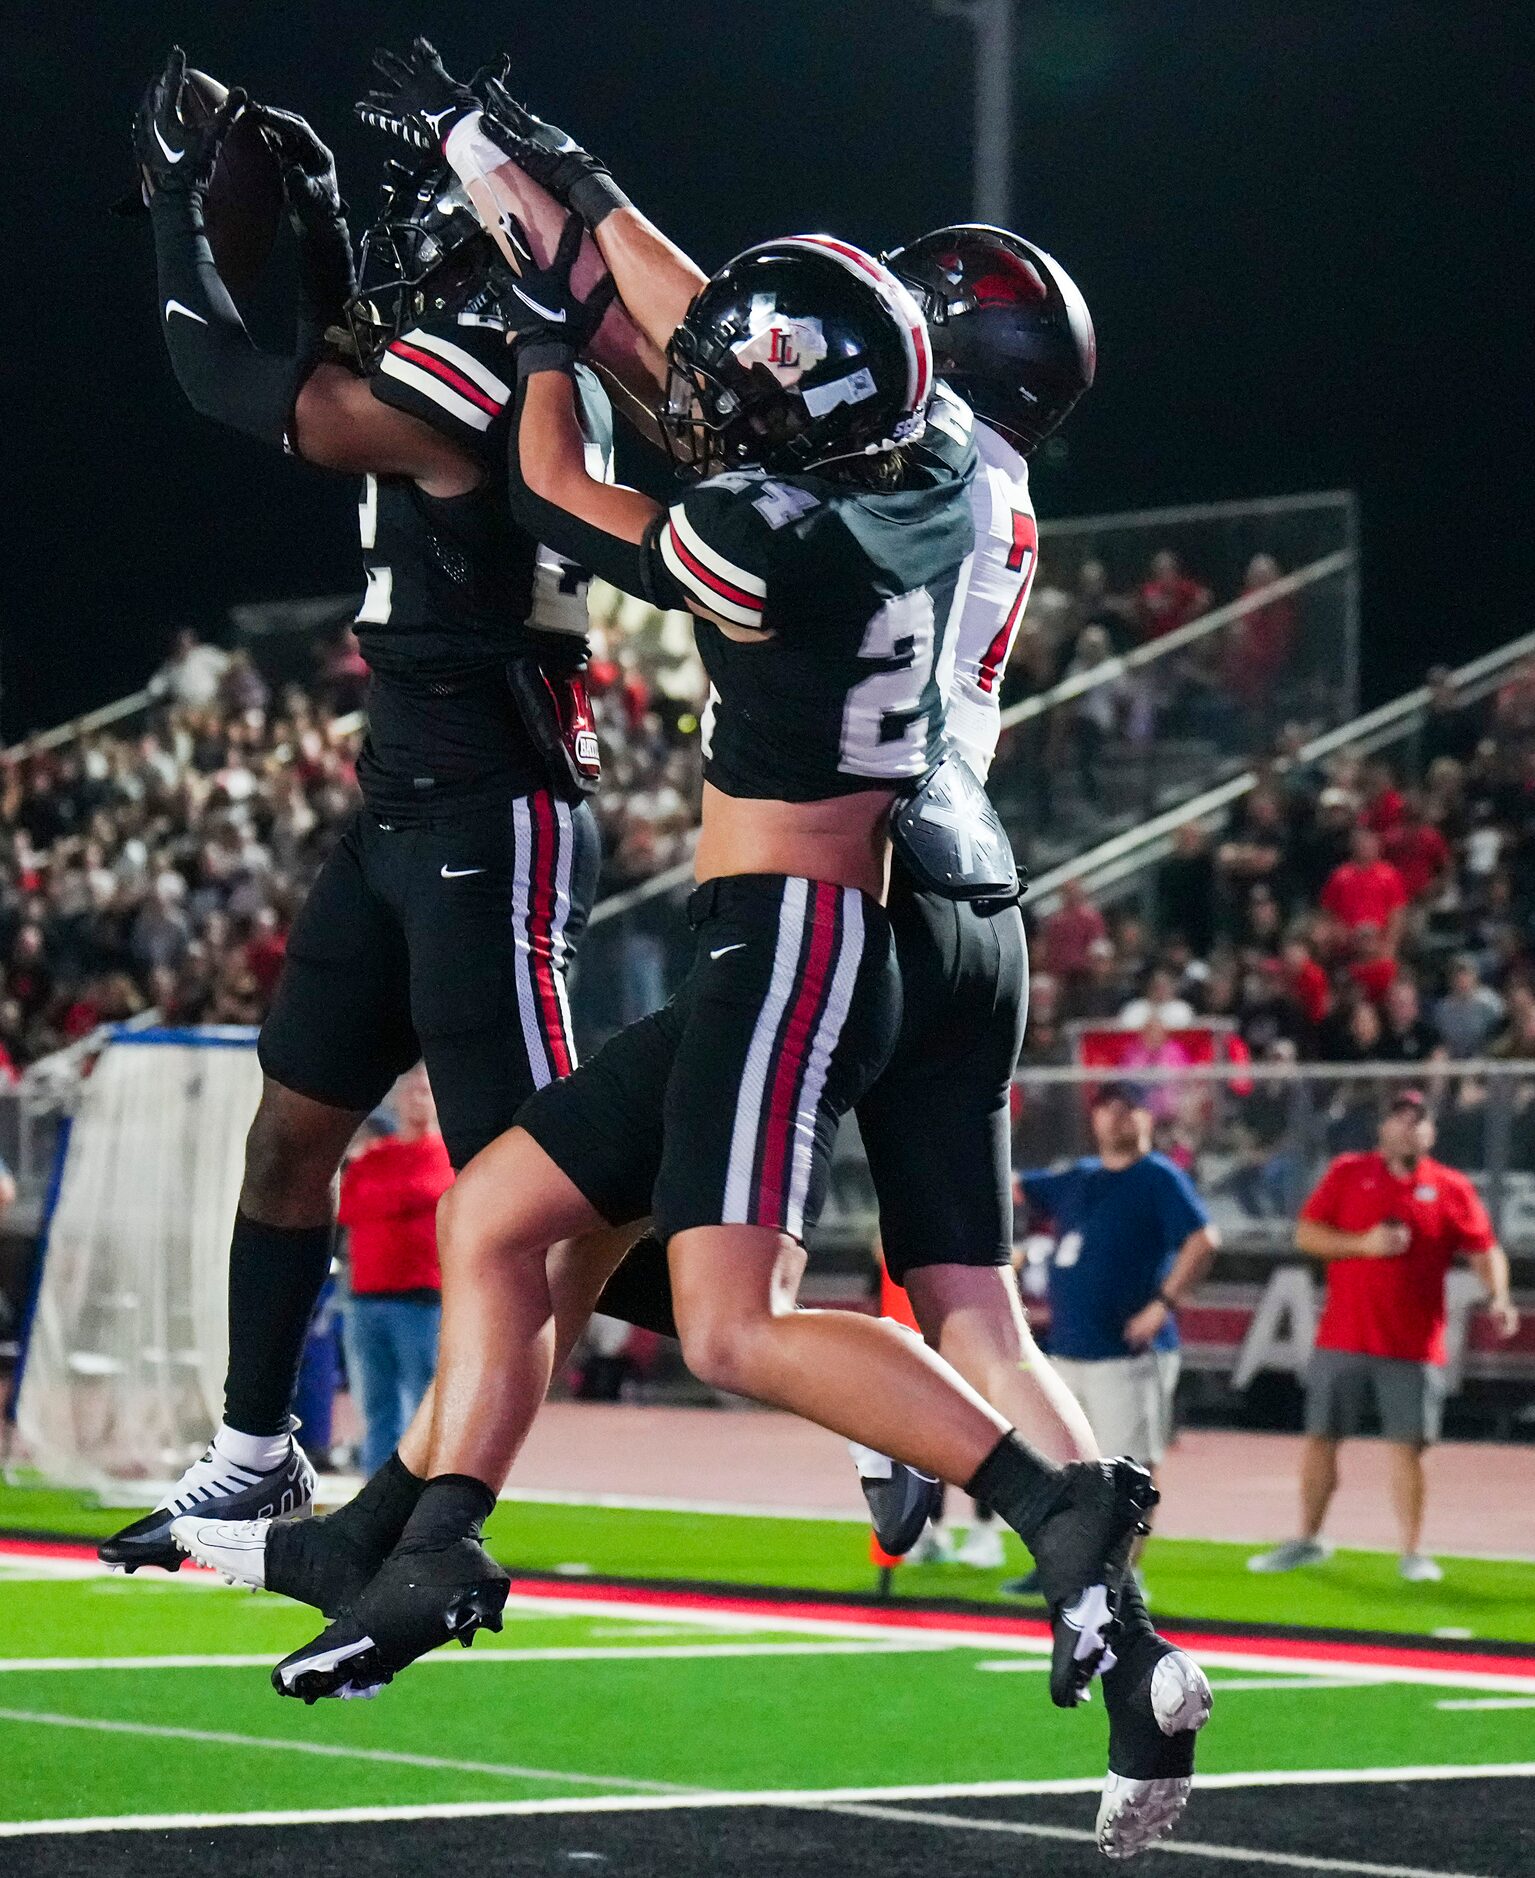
{"points": [[819, 558], [1014, 336], [443, 923], [1012, 333]]}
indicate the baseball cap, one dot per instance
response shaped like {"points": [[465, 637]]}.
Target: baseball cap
{"points": [[1132, 1094], [1408, 1099]]}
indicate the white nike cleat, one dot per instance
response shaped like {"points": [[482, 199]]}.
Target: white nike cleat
{"points": [[1290, 1556], [982, 1548], [1138, 1810], [933, 1547], [234, 1548], [214, 1489], [1135, 1814]]}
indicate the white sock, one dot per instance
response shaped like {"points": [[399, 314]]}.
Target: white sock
{"points": [[871, 1464], [260, 1453]]}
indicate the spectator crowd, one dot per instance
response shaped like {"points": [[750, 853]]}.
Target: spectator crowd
{"points": [[1226, 689], [1354, 911], [159, 865], [1357, 910]]}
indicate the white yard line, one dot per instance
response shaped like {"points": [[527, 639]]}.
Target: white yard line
{"points": [[556, 1653], [1492, 1701], [666, 1802], [660, 1609], [277, 1744], [1186, 1848]]}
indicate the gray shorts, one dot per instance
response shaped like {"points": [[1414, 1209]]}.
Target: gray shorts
{"points": [[1128, 1400], [1345, 1391]]}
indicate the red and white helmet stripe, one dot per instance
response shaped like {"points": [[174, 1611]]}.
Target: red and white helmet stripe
{"points": [[903, 309]]}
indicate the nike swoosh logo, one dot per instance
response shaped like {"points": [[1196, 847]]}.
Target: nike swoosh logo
{"points": [[720, 952], [175, 306], [171, 156], [543, 312], [458, 873]]}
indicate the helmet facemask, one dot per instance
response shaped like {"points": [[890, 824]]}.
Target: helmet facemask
{"points": [[799, 355], [718, 415], [425, 255]]}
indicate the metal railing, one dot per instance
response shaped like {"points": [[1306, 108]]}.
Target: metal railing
{"points": [[1149, 722], [86, 724], [1111, 864], [1257, 1136]]}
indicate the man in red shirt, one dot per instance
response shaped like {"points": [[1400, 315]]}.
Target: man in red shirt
{"points": [[1066, 936], [1416, 848], [1168, 599], [1389, 1225], [389, 1195], [1366, 891]]}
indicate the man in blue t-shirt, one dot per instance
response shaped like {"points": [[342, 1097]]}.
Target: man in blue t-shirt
{"points": [[1133, 1239]]}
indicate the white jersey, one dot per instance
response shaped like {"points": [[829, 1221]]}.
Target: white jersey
{"points": [[989, 600]]}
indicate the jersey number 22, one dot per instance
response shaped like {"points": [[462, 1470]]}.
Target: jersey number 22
{"points": [[884, 719]]}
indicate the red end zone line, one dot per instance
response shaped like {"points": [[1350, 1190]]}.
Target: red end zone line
{"points": [[1355, 1655], [14, 1550], [981, 1623]]}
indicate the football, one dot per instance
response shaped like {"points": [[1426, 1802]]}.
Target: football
{"points": [[244, 199]]}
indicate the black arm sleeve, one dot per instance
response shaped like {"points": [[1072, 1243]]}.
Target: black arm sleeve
{"points": [[633, 567], [216, 362]]}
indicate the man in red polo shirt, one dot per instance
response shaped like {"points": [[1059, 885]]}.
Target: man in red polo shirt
{"points": [[1366, 890], [389, 1195], [1389, 1226]]}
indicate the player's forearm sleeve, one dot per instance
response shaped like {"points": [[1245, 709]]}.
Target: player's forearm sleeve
{"points": [[632, 566], [218, 366]]}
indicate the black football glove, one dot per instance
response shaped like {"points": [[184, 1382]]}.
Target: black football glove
{"points": [[309, 184], [174, 157], [573, 176], [540, 303], [418, 100]]}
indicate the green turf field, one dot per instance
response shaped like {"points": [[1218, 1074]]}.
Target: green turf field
{"points": [[151, 1697], [1191, 1579]]}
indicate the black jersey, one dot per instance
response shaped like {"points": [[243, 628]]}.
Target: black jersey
{"points": [[455, 587], [852, 591]]}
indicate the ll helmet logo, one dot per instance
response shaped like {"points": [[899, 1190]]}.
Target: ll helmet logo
{"points": [[788, 346]]}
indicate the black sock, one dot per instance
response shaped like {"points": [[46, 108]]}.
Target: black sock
{"points": [[275, 1277], [450, 1507], [378, 1515], [1133, 1617], [1018, 1483]]}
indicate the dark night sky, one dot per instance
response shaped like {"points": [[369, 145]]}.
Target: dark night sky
{"points": [[1297, 226]]}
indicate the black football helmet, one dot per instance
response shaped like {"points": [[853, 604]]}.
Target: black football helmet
{"points": [[425, 256], [1011, 332], [798, 353]]}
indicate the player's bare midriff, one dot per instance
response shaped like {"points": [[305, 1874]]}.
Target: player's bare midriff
{"points": [[843, 839]]}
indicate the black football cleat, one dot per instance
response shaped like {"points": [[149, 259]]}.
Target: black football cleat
{"points": [[901, 1501], [323, 1562], [1082, 1554], [416, 1602], [212, 1488], [1157, 1700]]}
